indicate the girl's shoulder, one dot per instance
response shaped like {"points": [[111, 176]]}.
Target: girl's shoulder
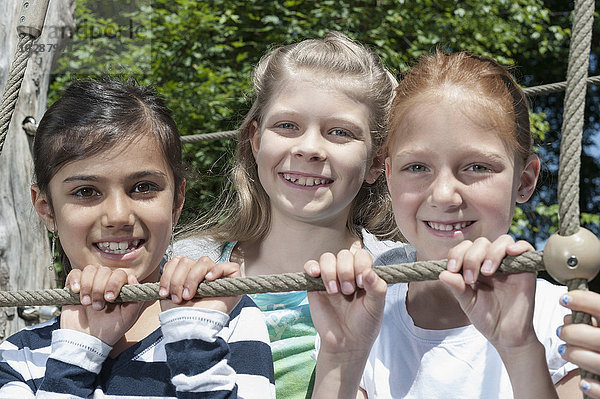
{"points": [[386, 252], [195, 247]]}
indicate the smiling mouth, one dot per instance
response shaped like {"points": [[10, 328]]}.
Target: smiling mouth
{"points": [[307, 181], [449, 227], [118, 247]]}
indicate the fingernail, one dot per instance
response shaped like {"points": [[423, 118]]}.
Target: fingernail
{"points": [[359, 281], [174, 298], [163, 291], [558, 330], [371, 277], [584, 385], [186, 293], [109, 296], [75, 287], [97, 305], [347, 288], [468, 276], [562, 348], [314, 268], [209, 275], [451, 266], [565, 299], [86, 300], [487, 266], [332, 287]]}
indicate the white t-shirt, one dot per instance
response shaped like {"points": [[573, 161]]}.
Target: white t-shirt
{"points": [[411, 362]]}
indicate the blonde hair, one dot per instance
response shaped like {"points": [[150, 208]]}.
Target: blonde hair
{"points": [[244, 212], [485, 88]]}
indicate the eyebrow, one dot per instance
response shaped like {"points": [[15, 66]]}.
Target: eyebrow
{"points": [[467, 151], [133, 176]]}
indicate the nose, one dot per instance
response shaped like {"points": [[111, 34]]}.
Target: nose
{"points": [[310, 146], [117, 211], [445, 191]]}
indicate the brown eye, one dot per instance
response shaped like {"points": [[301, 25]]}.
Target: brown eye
{"points": [[145, 187], [86, 192]]}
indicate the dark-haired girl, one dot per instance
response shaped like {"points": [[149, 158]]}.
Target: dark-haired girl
{"points": [[109, 184]]}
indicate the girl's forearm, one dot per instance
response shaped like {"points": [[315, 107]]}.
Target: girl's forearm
{"points": [[528, 372], [338, 376]]}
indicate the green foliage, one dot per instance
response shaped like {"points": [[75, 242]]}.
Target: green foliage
{"points": [[200, 55]]}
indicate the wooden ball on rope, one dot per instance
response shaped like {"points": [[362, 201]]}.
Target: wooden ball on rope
{"points": [[574, 256]]}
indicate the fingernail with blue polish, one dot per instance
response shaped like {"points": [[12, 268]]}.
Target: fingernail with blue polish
{"points": [[558, 330], [585, 386], [565, 300], [562, 349]]}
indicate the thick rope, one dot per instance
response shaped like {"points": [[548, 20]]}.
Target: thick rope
{"points": [[230, 134], [285, 282], [574, 107], [572, 132], [556, 87], [13, 85]]}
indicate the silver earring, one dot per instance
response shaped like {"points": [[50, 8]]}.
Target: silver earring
{"points": [[52, 248], [170, 247]]}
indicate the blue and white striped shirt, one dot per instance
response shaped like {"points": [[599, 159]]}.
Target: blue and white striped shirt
{"points": [[195, 353]]}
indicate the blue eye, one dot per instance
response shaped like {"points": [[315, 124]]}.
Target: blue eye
{"points": [[417, 168], [341, 133], [478, 168], [286, 125]]}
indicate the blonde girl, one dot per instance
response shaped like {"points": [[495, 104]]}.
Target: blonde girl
{"points": [[307, 180]]}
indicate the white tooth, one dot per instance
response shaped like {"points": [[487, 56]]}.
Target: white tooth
{"points": [[123, 245], [457, 226], [463, 225], [135, 243], [301, 181], [310, 181], [317, 182], [286, 176], [114, 245], [435, 226]]}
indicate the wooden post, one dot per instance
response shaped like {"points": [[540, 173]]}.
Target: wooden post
{"points": [[24, 249]]}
